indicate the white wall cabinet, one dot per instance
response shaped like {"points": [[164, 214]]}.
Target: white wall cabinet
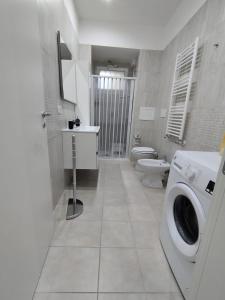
{"points": [[86, 147]]}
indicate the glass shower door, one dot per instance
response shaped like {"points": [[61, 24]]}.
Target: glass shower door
{"points": [[111, 107]]}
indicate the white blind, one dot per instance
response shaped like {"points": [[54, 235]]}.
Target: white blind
{"points": [[181, 91]]}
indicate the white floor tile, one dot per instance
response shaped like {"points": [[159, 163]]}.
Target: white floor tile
{"points": [[120, 271], [117, 234], [113, 201], [77, 233], [164, 296], [115, 198], [146, 234], [91, 213], [124, 296], [115, 213], [64, 296], [123, 217], [69, 269], [156, 272], [141, 213]]}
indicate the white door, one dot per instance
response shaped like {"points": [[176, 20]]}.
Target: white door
{"points": [[25, 193], [208, 279]]}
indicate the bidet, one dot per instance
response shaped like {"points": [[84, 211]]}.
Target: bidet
{"points": [[153, 169]]}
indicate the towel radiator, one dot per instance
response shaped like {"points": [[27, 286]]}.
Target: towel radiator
{"points": [[181, 91]]}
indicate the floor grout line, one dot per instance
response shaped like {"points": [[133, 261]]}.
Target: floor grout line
{"points": [[99, 263], [136, 251], [112, 293]]}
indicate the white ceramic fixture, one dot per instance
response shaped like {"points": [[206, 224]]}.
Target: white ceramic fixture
{"points": [[153, 169], [143, 152], [187, 202]]}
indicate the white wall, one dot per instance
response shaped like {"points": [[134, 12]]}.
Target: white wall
{"points": [[146, 92], [56, 15], [72, 12], [209, 273], [206, 120], [136, 36], [185, 11], [83, 71]]}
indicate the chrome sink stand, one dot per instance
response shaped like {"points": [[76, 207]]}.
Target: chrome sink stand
{"points": [[75, 206]]}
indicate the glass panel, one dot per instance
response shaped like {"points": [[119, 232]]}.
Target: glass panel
{"points": [[112, 112], [186, 219]]}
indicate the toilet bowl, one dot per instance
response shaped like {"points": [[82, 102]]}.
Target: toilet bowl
{"points": [[143, 153], [154, 170]]}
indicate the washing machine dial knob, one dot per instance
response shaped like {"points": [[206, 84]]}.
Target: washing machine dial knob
{"points": [[190, 174]]}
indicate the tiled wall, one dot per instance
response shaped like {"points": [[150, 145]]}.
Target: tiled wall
{"points": [[206, 121], [53, 16], [146, 91]]}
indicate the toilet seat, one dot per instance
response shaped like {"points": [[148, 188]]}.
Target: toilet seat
{"points": [[142, 150], [143, 153]]}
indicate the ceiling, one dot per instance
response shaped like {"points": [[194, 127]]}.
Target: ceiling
{"points": [[116, 55], [141, 12]]}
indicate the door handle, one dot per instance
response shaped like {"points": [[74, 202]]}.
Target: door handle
{"points": [[45, 114]]}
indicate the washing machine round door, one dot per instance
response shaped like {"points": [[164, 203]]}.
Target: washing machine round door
{"points": [[185, 219]]}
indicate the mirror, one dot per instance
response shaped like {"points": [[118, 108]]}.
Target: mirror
{"points": [[67, 71]]}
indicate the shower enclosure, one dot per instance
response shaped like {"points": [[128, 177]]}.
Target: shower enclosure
{"points": [[111, 109]]}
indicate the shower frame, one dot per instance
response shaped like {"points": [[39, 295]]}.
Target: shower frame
{"points": [[111, 105]]}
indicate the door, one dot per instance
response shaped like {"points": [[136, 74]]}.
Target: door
{"points": [[208, 278], [185, 219], [112, 105], [25, 193]]}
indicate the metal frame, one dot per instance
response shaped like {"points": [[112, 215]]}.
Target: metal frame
{"points": [[114, 96]]}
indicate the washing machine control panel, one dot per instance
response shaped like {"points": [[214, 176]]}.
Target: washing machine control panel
{"points": [[194, 173], [185, 169], [190, 173]]}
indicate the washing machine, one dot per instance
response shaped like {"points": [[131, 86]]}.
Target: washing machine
{"points": [[187, 202]]}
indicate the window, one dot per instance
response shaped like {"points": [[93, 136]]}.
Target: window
{"points": [[112, 73], [111, 83]]}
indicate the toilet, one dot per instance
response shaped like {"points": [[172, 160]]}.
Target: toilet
{"points": [[153, 170], [143, 153]]}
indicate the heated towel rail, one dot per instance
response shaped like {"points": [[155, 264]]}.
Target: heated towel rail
{"points": [[181, 91]]}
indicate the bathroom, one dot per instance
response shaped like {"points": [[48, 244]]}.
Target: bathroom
{"points": [[117, 246]]}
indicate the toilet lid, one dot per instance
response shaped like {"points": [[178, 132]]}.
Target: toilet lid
{"points": [[143, 150]]}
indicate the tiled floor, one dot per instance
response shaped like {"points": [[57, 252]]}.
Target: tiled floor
{"points": [[112, 251]]}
